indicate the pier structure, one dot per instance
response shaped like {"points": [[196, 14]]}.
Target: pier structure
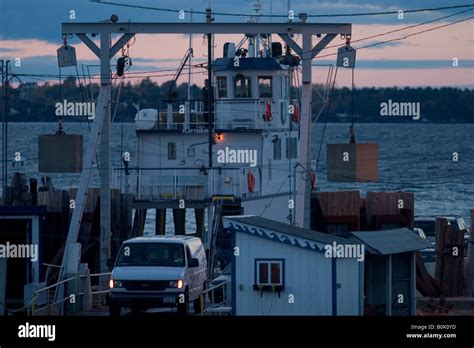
{"points": [[100, 132]]}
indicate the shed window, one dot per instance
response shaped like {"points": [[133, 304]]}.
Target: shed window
{"points": [[269, 272], [171, 151], [242, 86], [221, 87], [265, 86]]}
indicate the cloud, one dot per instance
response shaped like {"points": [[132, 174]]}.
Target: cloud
{"points": [[342, 5], [31, 30], [382, 44], [155, 60], [400, 64], [40, 19], [7, 49]]}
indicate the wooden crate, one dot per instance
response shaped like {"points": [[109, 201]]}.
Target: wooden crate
{"points": [[352, 162], [60, 153], [449, 267], [385, 208], [55, 201], [335, 212], [341, 203]]}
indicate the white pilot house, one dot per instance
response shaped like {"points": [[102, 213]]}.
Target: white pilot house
{"points": [[255, 141]]}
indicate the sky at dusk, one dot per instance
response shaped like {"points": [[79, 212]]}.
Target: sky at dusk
{"points": [[30, 30]]}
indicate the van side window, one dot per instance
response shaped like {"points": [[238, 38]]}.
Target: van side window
{"points": [[188, 254], [194, 246]]}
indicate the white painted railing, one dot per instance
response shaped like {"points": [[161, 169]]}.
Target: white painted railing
{"points": [[49, 306], [192, 184]]}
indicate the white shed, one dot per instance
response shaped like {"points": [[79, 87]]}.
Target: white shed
{"points": [[279, 269]]}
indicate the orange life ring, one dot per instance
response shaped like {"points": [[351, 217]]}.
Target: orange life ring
{"points": [[251, 181], [267, 116], [312, 179], [296, 117]]}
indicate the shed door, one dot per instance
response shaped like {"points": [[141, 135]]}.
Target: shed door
{"points": [[348, 289]]}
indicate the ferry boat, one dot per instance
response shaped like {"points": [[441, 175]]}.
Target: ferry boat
{"points": [[254, 140]]}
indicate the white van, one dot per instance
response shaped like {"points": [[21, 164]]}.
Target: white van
{"points": [[158, 271]]}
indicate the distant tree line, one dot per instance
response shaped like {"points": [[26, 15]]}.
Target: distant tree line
{"points": [[438, 105], [31, 102]]}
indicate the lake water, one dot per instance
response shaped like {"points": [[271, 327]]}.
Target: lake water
{"points": [[412, 157]]}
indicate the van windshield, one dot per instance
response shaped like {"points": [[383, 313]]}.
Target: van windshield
{"points": [[151, 254]]}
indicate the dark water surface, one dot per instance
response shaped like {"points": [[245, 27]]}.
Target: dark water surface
{"points": [[412, 157]]}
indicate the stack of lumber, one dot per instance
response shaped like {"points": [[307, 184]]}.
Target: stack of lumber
{"points": [[449, 257]]}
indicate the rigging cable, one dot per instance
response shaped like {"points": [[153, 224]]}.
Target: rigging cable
{"points": [[326, 119], [351, 128], [46, 76], [356, 14], [60, 121], [403, 37]]}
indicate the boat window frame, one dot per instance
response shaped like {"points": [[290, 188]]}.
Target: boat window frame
{"points": [[259, 86], [171, 151], [291, 148], [277, 149], [219, 89], [283, 87], [242, 77]]}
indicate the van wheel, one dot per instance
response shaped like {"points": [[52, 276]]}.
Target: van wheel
{"points": [[183, 308], [115, 311]]}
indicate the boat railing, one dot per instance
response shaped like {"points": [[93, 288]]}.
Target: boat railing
{"points": [[126, 180], [231, 114], [238, 114], [73, 288], [183, 116], [169, 184], [158, 184], [216, 304], [226, 181], [248, 113]]}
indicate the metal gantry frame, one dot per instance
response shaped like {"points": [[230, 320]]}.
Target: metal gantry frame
{"points": [[102, 123]]}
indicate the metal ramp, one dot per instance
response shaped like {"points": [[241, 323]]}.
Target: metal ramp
{"points": [[216, 224]]}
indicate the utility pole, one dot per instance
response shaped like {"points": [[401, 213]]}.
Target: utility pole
{"points": [[190, 62], [105, 174], [210, 98], [303, 209], [2, 63]]}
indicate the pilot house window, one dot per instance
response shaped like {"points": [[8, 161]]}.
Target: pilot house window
{"points": [[242, 86], [265, 86], [221, 87]]}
